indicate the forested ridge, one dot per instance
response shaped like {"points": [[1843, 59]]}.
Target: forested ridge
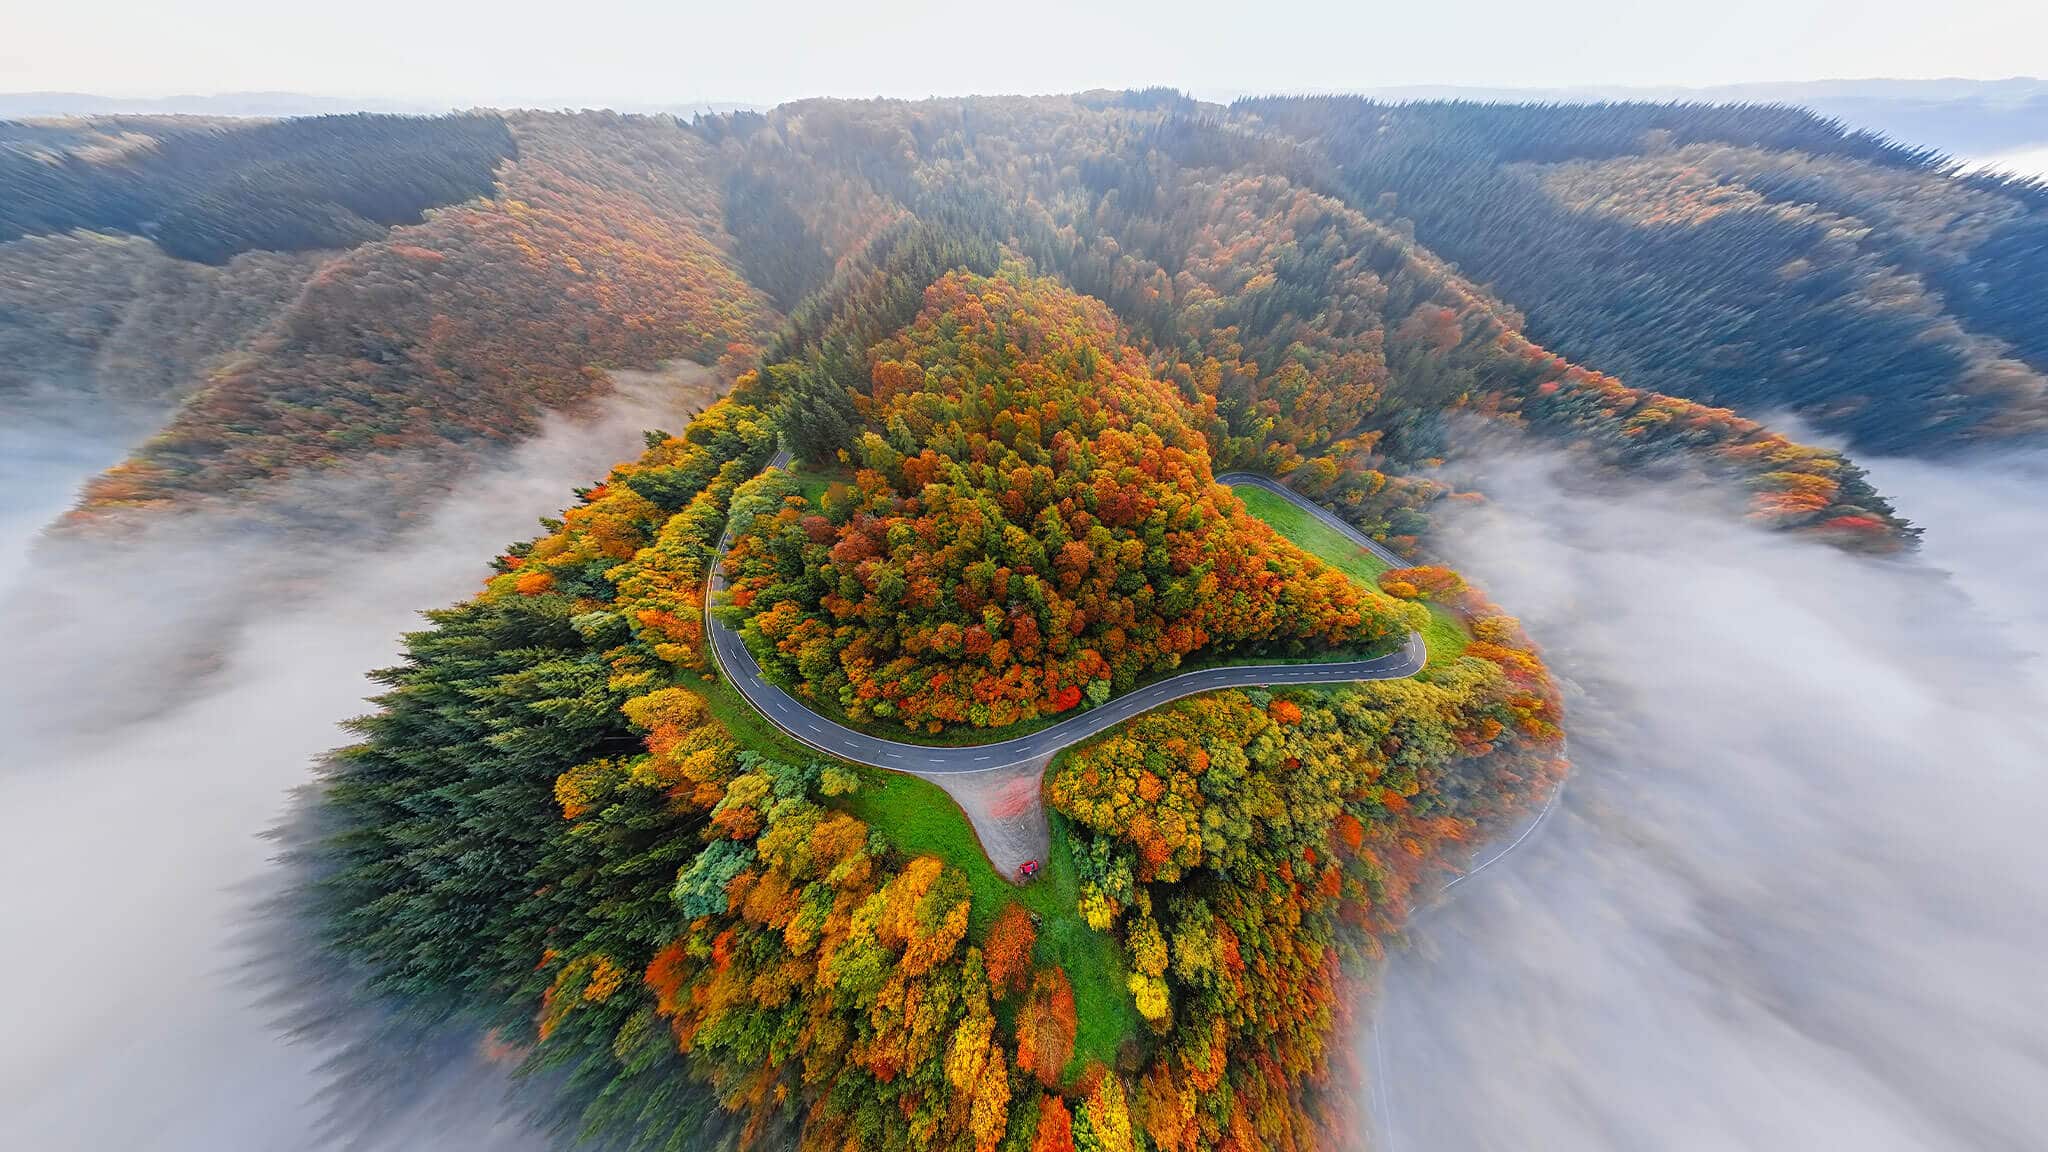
{"points": [[1318, 339], [559, 827], [602, 247], [1032, 523], [111, 318], [1753, 257], [1333, 349], [206, 190], [1010, 342]]}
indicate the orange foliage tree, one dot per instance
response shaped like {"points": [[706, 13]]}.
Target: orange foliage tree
{"points": [[1007, 951], [1033, 524]]}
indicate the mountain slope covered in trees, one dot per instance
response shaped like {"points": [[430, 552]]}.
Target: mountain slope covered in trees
{"points": [[91, 316], [1333, 348], [1033, 523], [602, 247], [206, 190], [1010, 339], [1754, 257]]}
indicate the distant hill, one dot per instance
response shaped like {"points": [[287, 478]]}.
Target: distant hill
{"points": [[421, 347], [1749, 256], [276, 105], [463, 275], [1972, 119], [207, 190], [29, 105]]}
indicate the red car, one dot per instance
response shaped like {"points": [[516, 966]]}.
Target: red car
{"points": [[1030, 869]]}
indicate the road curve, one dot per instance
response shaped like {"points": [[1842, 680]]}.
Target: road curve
{"points": [[833, 739]]}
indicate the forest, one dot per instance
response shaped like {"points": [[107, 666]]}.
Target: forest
{"points": [[208, 190], [1316, 338], [1745, 257], [556, 828], [441, 341], [1031, 522], [1010, 342]]}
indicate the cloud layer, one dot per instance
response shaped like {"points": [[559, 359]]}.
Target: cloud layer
{"points": [[1796, 894], [161, 702]]}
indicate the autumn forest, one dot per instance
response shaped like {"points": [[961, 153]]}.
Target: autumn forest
{"points": [[979, 366]]}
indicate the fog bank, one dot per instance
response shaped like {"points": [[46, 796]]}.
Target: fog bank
{"points": [[1796, 892], [135, 855], [2031, 161], [46, 452]]}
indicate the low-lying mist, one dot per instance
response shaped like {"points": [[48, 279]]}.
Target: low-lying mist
{"points": [[163, 697], [1796, 893], [47, 449]]}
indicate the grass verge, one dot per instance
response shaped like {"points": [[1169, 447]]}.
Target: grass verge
{"points": [[812, 481], [1445, 636]]}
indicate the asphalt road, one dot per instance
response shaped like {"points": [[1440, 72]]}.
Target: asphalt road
{"points": [[838, 740]]}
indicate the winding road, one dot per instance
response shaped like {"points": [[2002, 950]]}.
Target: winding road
{"points": [[948, 766]]}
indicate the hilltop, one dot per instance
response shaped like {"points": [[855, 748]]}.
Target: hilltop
{"points": [[1031, 522]]}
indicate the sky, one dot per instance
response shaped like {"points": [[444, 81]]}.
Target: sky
{"points": [[522, 52]]}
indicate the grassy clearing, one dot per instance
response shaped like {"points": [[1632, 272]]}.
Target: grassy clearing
{"points": [[812, 482], [920, 819], [1311, 534], [1445, 636], [1093, 961]]}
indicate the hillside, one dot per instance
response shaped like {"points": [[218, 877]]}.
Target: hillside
{"points": [[90, 316], [423, 349], [206, 190], [1032, 522], [1332, 346], [1009, 343], [1315, 340], [1758, 258]]}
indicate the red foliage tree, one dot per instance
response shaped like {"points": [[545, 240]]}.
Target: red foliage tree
{"points": [[1007, 951], [1046, 1025], [1055, 1127]]}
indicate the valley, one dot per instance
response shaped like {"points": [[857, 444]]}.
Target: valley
{"points": [[1212, 522]]}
